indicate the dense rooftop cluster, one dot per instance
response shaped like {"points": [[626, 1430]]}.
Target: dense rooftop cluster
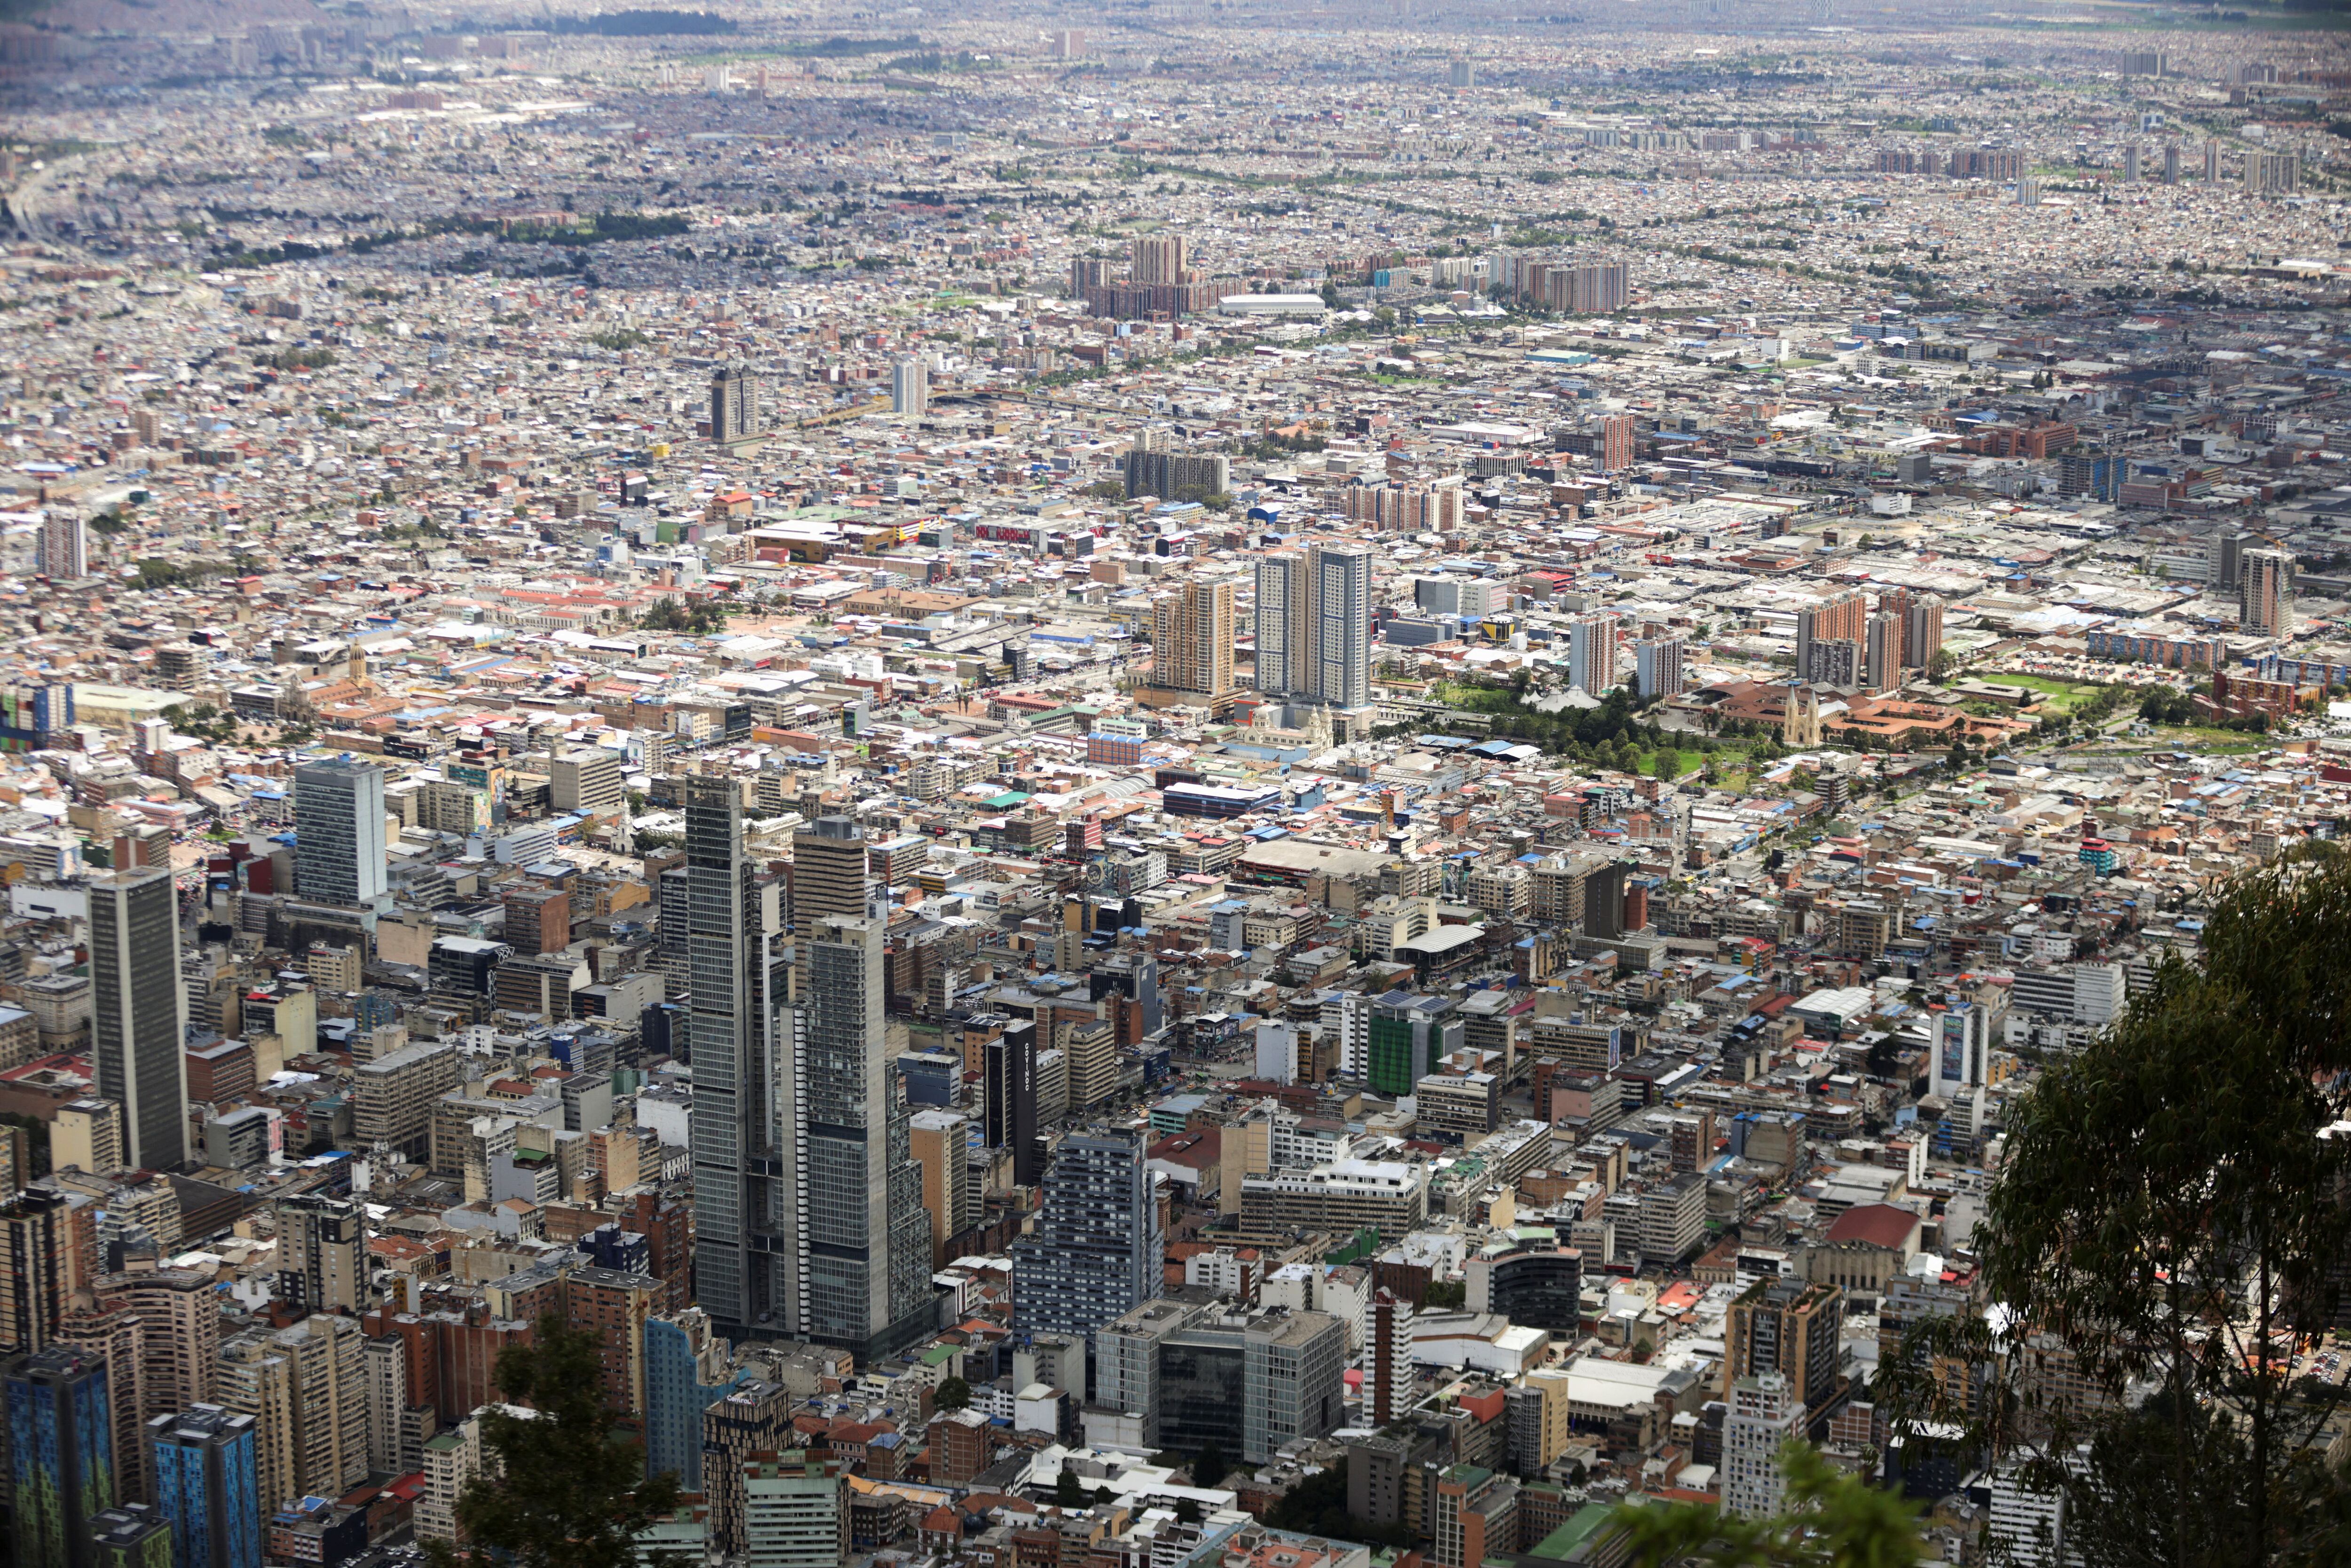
{"points": [[1248, 790]]}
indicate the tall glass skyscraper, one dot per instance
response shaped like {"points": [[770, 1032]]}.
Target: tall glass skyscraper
{"points": [[739, 1174], [808, 1201], [206, 1486], [60, 1453], [139, 1013], [339, 846], [861, 1259], [1010, 1102]]}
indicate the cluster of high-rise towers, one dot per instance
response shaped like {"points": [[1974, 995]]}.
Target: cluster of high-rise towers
{"points": [[808, 1200]]}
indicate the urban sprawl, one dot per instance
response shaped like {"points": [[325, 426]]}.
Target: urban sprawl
{"points": [[1229, 789]]}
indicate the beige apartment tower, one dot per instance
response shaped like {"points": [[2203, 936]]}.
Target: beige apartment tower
{"points": [[1192, 649]]}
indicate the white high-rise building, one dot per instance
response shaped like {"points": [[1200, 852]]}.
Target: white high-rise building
{"points": [[1764, 1414], [2027, 1526], [2267, 576], [1591, 653], [1962, 1057], [795, 1511], [1314, 625], [1342, 613], [910, 386], [338, 831], [1349, 1014]]}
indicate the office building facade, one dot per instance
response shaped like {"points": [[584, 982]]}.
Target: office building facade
{"points": [[735, 403], [1657, 666], [61, 550], [685, 1373], [1343, 624], [1408, 1035], [139, 1013], [338, 831], [831, 872], [754, 1418], [1151, 466], [1095, 1254], [588, 779], [1765, 1413], [739, 1178], [1788, 1327], [1009, 1098], [36, 1275], [131, 1536], [1840, 618], [795, 1511], [1592, 652], [910, 387], [858, 1254], [322, 1257], [1293, 1371], [1314, 625], [939, 1140]]}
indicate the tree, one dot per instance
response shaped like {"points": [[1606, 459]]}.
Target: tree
{"points": [[1211, 1466], [954, 1394], [1834, 1520], [1666, 765], [700, 617], [1317, 1505], [2169, 1213], [566, 1493], [1067, 1492]]}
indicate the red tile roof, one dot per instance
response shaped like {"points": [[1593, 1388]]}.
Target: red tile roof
{"points": [[1876, 1224]]}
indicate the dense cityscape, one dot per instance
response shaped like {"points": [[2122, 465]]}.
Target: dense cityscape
{"points": [[1198, 786]]}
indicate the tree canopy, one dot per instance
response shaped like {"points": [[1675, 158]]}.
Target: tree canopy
{"points": [[1835, 1520], [2167, 1223], [558, 1491]]}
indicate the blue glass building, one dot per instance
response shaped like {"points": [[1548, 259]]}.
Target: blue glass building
{"points": [[206, 1487], [675, 1397], [60, 1453]]}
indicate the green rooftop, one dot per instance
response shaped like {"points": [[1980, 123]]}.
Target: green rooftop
{"points": [[1569, 1538]]}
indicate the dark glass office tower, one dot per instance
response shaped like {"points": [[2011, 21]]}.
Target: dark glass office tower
{"points": [[139, 1013], [1011, 1099], [738, 1165], [861, 1239]]}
